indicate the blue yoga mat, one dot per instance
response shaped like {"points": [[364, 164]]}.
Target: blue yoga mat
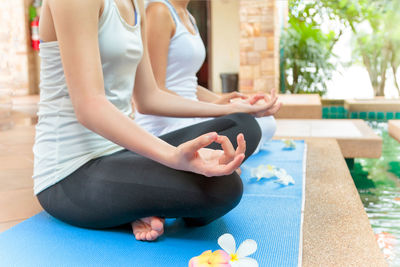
{"points": [[269, 213]]}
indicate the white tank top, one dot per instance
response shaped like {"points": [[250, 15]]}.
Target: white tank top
{"points": [[62, 144], [186, 55]]}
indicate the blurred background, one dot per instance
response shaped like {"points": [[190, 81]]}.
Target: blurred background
{"points": [[340, 50]]}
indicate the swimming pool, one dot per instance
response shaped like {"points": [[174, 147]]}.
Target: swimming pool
{"points": [[378, 183]]}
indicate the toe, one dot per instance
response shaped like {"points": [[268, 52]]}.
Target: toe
{"points": [[154, 234], [142, 236], [157, 224]]}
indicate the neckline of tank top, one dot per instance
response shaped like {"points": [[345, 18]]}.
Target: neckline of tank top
{"points": [[190, 18], [137, 15]]}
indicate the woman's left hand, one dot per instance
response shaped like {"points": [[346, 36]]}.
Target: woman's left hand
{"points": [[193, 156], [227, 98]]}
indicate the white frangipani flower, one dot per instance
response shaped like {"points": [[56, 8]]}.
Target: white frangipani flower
{"points": [[270, 171], [239, 257], [283, 177], [263, 171]]}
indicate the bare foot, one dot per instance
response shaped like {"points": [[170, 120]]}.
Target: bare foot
{"points": [[148, 229]]}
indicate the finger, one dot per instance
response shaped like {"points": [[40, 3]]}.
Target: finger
{"points": [[273, 92], [242, 96], [264, 108], [227, 146], [230, 167], [200, 142], [273, 97], [238, 95], [241, 148], [233, 95], [273, 110], [271, 102], [255, 98]]}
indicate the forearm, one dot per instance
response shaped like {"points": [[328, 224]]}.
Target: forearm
{"points": [[206, 95], [166, 104], [103, 118]]}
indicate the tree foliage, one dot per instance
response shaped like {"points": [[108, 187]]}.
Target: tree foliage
{"points": [[308, 49]]}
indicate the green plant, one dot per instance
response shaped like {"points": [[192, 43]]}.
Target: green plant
{"points": [[307, 49], [378, 47], [307, 52]]}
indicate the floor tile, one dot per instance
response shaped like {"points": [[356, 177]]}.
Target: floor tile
{"points": [[18, 204], [7, 225]]}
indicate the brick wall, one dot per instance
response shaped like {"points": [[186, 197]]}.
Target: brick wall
{"points": [[13, 60], [259, 45]]}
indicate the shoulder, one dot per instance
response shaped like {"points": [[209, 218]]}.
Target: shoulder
{"points": [[76, 6], [158, 10], [76, 3]]}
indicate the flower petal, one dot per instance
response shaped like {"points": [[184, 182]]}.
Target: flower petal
{"points": [[246, 262], [227, 243], [247, 248], [219, 257]]}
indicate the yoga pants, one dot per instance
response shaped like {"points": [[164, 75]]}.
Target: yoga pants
{"points": [[122, 187]]}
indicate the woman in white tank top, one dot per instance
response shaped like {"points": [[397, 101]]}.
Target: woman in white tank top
{"points": [[177, 53], [94, 166]]}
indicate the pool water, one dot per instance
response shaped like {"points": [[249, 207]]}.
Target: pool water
{"points": [[378, 183]]}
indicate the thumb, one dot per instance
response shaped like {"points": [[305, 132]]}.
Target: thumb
{"points": [[255, 98], [202, 141]]}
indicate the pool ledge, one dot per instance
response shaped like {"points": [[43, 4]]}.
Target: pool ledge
{"points": [[336, 229], [356, 139], [394, 129]]}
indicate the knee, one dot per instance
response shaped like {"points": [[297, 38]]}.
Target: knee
{"points": [[268, 127], [229, 193], [250, 128]]}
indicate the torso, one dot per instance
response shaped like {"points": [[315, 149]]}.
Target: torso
{"points": [[186, 54], [62, 144]]}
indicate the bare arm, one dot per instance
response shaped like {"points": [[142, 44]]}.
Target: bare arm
{"points": [[206, 95], [76, 26]]}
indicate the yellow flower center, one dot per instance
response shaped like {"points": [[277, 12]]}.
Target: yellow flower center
{"points": [[234, 257], [270, 168]]}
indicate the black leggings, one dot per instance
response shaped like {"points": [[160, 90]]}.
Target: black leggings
{"points": [[125, 186]]}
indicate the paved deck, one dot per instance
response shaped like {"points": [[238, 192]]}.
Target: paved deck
{"points": [[356, 139], [336, 229], [300, 107], [394, 129], [377, 104]]}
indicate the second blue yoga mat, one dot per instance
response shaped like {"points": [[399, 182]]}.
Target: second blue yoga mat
{"points": [[268, 213]]}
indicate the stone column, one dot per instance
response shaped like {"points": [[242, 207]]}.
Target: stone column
{"points": [[259, 46]]}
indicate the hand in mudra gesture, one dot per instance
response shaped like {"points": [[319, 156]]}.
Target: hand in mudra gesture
{"points": [[258, 105], [195, 157]]}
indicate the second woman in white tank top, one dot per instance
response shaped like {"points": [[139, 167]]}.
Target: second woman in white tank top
{"points": [[175, 67]]}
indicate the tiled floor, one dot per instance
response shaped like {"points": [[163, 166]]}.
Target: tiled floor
{"points": [[356, 139], [17, 201]]}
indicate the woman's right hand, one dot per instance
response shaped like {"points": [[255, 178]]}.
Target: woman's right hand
{"points": [[193, 156], [268, 108]]}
